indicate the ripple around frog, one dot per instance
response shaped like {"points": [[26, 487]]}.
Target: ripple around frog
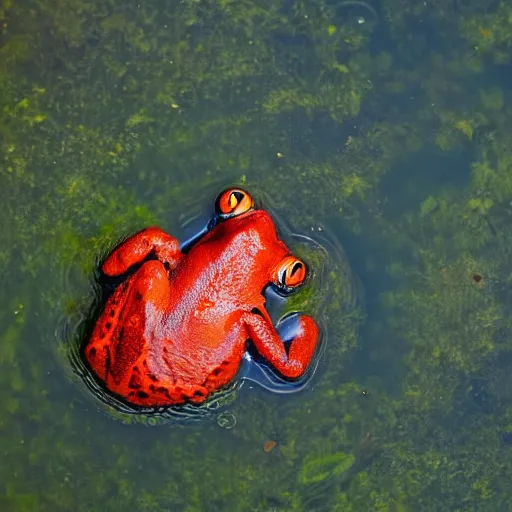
{"points": [[256, 370], [359, 5], [74, 327], [333, 258]]}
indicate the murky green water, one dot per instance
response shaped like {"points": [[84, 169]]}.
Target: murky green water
{"points": [[386, 123]]}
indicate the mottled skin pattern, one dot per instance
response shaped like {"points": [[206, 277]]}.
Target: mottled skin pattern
{"points": [[176, 330]]}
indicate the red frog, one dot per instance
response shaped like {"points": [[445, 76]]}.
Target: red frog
{"points": [[176, 330]]}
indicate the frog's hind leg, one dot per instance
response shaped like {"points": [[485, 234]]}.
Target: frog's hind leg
{"points": [[118, 339], [139, 246]]}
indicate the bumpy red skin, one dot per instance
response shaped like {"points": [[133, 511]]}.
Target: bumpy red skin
{"points": [[176, 330]]}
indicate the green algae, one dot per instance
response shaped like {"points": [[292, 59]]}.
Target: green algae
{"points": [[317, 469], [112, 116]]}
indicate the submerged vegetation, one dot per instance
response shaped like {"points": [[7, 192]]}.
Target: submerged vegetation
{"points": [[387, 123]]}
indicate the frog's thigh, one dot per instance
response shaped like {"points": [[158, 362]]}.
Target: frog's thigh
{"points": [[124, 311], [149, 299], [148, 284], [151, 284], [148, 302]]}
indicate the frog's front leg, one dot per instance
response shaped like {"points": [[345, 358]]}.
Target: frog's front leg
{"points": [[269, 344], [136, 248]]}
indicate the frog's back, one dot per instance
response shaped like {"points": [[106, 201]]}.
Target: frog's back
{"points": [[223, 275], [228, 269]]}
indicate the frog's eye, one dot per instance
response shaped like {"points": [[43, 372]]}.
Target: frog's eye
{"points": [[291, 273], [234, 201]]}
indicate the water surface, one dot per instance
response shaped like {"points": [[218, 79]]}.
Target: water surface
{"points": [[386, 124]]}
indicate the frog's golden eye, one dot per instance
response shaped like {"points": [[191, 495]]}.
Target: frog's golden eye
{"points": [[291, 273], [234, 201]]}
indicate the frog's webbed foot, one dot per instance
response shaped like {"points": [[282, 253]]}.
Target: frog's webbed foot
{"points": [[140, 245], [270, 345]]}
